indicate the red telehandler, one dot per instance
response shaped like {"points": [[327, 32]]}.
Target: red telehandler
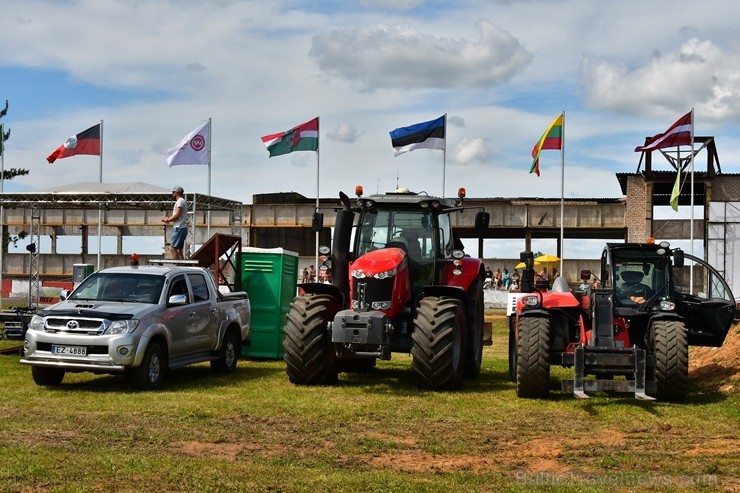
{"points": [[629, 335]]}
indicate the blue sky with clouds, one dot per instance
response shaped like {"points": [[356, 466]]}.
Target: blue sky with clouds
{"points": [[501, 70]]}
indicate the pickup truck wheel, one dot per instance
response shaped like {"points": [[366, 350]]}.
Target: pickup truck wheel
{"points": [[148, 375], [47, 376], [227, 355], [310, 358]]}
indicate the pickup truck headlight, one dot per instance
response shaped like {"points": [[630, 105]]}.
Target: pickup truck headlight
{"points": [[36, 323], [122, 327]]}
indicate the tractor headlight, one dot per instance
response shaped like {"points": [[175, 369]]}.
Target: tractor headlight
{"points": [[381, 305], [667, 306], [530, 300], [386, 274], [358, 274], [122, 327]]}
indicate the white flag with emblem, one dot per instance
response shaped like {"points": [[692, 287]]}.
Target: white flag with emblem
{"points": [[194, 148]]}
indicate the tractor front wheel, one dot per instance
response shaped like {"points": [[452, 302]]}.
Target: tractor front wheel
{"points": [[532, 353], [671, 359], [437, 343], [309, 357]]}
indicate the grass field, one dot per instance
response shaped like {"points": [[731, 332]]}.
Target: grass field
{"points": [[254, 431]]}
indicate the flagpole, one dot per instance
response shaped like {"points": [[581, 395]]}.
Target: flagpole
{"points": [[691, 248], [100, 211], [316, 256], [444, 158], [562, 193], [210, 136]]}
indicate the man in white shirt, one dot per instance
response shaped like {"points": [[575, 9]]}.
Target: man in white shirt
{"points": [[179, 220]]}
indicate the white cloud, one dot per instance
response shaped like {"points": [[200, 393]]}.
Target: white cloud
{"points": [[698, 74], [343, 132], [468, 150], [385, 56]]}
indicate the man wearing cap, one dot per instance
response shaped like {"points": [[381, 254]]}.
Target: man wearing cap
{"points": [[179, 220]]}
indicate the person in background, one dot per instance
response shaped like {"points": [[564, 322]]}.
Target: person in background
{"points": [[505, 278], [311, 273], [179, 220], [488, 280], [305, 275]]}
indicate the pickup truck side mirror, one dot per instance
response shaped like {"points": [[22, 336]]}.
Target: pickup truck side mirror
{"points": [[64, 294], [177, 300]]}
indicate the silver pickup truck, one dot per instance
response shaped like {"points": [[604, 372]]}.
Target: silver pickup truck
{"points": [[140, 322]]}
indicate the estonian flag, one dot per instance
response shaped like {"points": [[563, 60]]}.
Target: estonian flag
{"points": [[425, 135]]}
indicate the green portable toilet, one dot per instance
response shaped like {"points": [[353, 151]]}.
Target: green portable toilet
{"points": [[270, 277]]}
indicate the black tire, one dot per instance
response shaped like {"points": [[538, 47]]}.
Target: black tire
{"points": [[532, 352], [228, 354], [474, 335], [437, 343], [512, 348], [671, 359], [310, 358], [148, 375], [47, 376]]}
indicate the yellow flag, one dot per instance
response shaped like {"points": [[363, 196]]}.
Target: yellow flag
{"points": [[676, 191]]}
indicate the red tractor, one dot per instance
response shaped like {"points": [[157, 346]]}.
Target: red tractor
{"points": [[631, 334], [400, 283]]}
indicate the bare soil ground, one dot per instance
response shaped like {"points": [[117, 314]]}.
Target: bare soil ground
{"points": [[717, 368]]}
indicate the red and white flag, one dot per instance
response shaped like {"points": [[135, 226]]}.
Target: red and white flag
{"points": [[679, 134]]}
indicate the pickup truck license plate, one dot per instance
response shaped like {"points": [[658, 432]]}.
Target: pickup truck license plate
{"points": [[71, 350]]}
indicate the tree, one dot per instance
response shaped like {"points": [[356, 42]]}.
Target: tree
{"points": [[9, 174]]}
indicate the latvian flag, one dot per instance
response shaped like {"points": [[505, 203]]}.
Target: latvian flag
{"points": [[425, 135], [87, 142]]}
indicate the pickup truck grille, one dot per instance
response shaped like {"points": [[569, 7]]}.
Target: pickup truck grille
{"points": [[68, 324]]}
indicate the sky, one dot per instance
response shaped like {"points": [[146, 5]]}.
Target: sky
{"points": [[501, 70]]}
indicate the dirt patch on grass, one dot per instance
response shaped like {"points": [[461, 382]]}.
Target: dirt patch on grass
{"points": [[713, 369]]}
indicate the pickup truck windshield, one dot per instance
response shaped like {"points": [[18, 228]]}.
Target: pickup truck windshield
{"points": [[134, 288]]}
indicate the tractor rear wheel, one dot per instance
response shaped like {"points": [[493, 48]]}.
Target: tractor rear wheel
{"points": [[309, 356], [437, 343], [474, 334], [532, 352], [671, 359]]}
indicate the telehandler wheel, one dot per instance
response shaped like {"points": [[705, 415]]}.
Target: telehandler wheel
{"points": [[671, 359], [437, 343], [474, 334], [512, 348], [532, 351], [309, 357]]}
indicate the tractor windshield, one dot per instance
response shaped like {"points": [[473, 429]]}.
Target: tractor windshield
{"points": [[638, 276], [411, 230]]}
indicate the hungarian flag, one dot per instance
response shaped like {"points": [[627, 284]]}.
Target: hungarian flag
{"points": [[87, 142], [303, 137], [551, 139], [679, 134]]}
